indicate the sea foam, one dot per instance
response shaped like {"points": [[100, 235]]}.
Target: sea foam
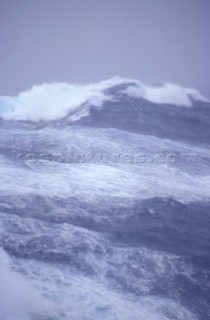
{"points": [[50, 102]]}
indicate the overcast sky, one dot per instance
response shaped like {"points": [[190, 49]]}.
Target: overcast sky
{"points": [[84, 41]]}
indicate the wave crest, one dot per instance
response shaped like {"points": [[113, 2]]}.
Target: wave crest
{"points": [[49, 102]]}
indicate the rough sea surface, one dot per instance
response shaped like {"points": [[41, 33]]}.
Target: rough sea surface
{"points": [[107, 215]]}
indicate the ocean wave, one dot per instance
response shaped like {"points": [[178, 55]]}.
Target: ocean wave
{"points": [[50, 102], [113, 239]]}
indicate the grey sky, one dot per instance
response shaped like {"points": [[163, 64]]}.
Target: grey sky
{"points": [[83, 41]]}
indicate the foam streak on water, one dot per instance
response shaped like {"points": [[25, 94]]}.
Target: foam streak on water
{"points": [[104, 203]]}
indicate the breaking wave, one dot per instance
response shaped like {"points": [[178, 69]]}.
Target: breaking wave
{"points": [[54, 101], [104, 203]]}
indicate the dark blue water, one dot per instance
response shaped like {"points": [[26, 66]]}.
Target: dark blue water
{"points": [[107, 217]]}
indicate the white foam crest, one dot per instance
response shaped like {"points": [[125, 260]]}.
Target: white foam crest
{"points": [[48, 102], [168, 94], [194, 94], [51, 101], [54, 101]]}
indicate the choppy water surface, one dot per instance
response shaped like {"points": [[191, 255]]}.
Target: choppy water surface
{"points": [[105, 212]]}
